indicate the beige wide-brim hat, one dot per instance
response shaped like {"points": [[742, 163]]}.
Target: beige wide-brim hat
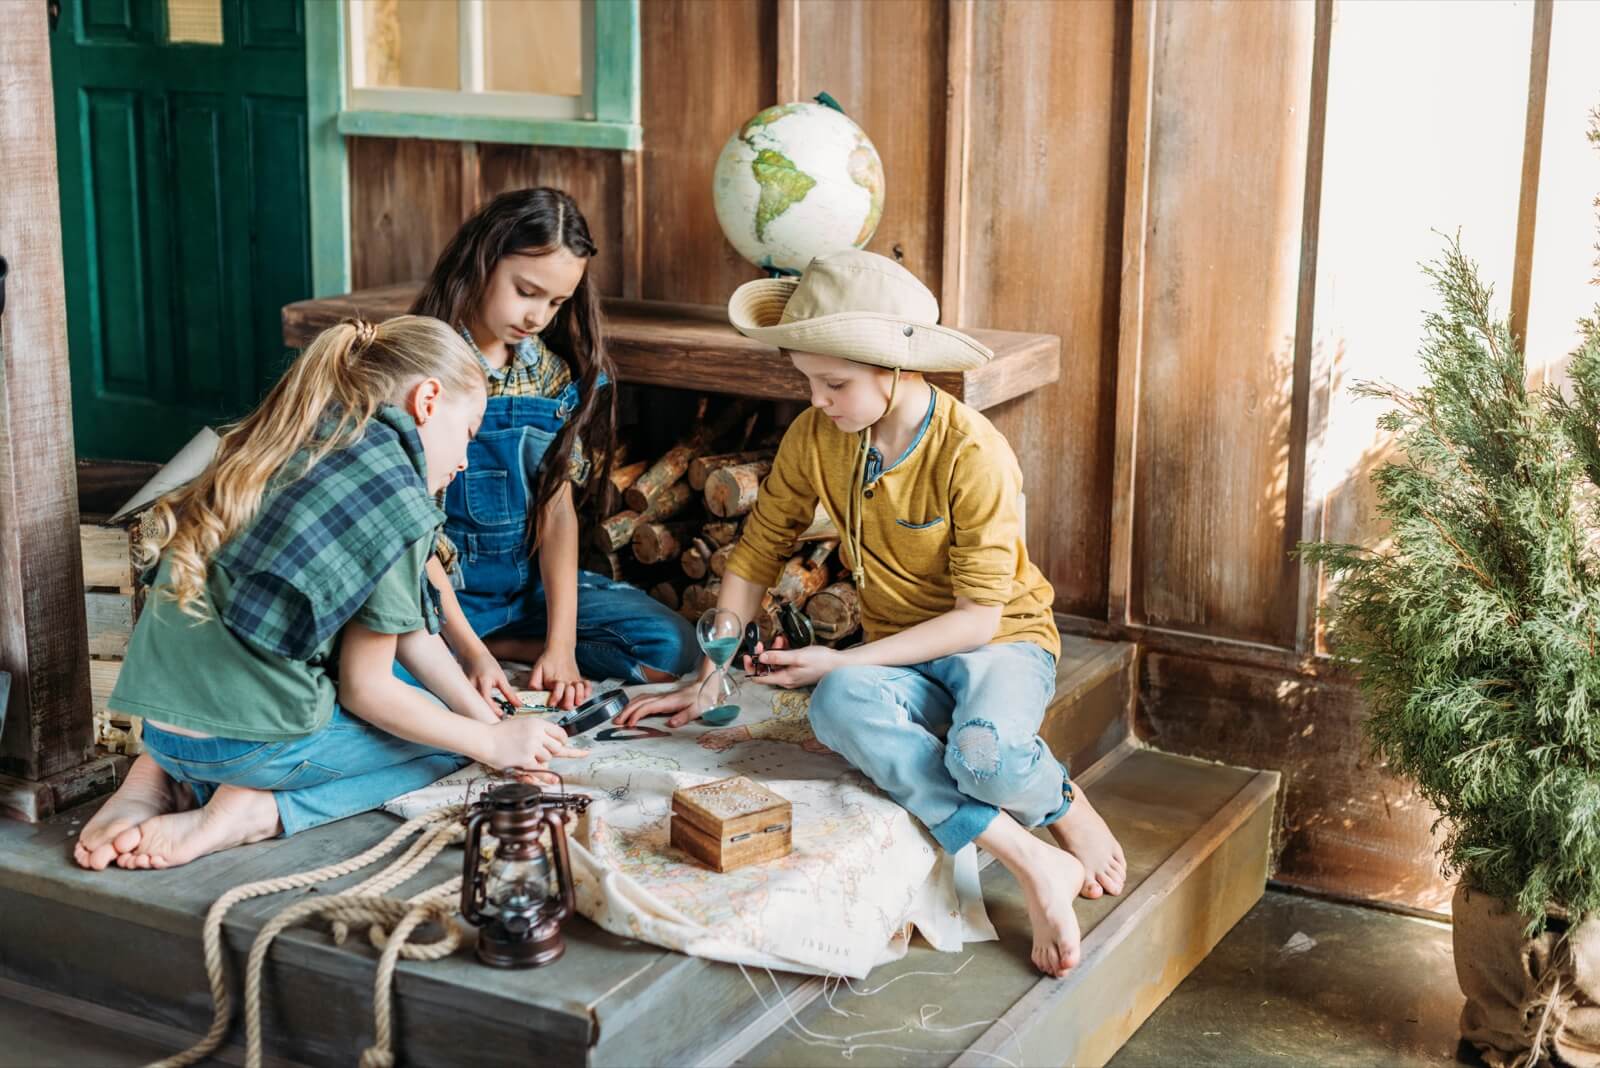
{"points": [[858, 306]]}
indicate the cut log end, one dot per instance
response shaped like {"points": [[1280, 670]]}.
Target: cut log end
{"points": [[656, 542], [835, 611], [731, 491]]}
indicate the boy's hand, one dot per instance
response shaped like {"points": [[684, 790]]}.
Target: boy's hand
{"points": [[679, 704], [754, 666], [488, 677], [556, 670], [795, 667], [526, 742]]}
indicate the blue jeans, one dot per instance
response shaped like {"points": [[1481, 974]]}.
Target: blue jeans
{"points": [[621, 629], [953, 740], [347, 767]]}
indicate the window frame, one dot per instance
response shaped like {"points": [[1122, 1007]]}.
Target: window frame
{"points": [[612, 89]]}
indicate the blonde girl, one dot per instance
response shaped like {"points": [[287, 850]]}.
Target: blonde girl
{"points": [[290, 577]]}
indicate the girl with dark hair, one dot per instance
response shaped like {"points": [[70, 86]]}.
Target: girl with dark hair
{"points": [[514, 282]]}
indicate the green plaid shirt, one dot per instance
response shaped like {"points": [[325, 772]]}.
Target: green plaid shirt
{"points": [[322, 540]]}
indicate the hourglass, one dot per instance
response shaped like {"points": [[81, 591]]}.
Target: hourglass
{"points": [[720, 633]]}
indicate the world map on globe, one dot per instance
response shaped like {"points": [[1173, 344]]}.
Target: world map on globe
{"points": [[796, 181]]}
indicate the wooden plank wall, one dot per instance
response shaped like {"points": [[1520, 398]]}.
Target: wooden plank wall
{"points": [[1285, 182], [1033, 259], [1220, 208], [1038, 246]]}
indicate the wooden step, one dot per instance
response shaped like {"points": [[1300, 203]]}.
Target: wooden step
{"points": [[1197, 837], [129, 943], [1092, 710]]}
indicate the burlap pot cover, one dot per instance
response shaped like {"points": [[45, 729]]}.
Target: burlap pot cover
{"points": [[1529, 1000]]}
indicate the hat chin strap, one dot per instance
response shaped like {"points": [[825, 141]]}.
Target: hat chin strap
{"points": [[858, 477]]}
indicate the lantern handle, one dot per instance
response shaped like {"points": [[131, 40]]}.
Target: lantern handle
{"points": [[472, 888], [558, 839]]}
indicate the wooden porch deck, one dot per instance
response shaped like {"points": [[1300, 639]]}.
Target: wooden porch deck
{"points": [[124, 948]]}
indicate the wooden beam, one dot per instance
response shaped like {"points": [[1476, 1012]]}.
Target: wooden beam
{"points": [[43, 640], [471, 191], [957, 143], [632, 225], [1312, 385], [1141, 69], [788, 31], [1532, 154]]}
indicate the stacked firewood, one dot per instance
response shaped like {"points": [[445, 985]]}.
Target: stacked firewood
{"points": [[671, 523]]}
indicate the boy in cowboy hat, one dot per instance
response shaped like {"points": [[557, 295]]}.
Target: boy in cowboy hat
{"points": [[941, 705]]}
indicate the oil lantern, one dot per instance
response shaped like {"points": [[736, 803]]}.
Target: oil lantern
{"points": [[520, 897]]}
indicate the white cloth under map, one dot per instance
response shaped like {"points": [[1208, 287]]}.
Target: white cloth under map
{"points": [[862, 871]]}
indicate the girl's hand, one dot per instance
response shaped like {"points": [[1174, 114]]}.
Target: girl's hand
{"points": [[488, 677], [796, 667], [526, 742], [556, 670], [679, 704], [479, 709]]}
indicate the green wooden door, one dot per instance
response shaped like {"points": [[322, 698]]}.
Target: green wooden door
{"points": [[183, 210]]}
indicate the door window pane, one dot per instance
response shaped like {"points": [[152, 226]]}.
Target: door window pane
{"points": [[534, 46], [410, 44], [194, 21]]}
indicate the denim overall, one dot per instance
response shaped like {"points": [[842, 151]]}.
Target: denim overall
{"points": [[620, 628], [487, 507]]}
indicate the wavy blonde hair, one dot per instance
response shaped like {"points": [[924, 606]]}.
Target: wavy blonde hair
{"points": [[350, 369]]}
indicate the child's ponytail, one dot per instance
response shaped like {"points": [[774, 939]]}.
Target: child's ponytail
{"points": [[348, 371]]}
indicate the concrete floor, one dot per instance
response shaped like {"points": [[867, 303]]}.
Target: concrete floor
{"points": [[1305, 982], [1297, 982]]}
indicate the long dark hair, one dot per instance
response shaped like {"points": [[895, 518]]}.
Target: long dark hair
{"points": [[533, 222]]}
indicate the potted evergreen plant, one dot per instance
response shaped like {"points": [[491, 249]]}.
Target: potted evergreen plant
{"points": [[1475, 632]]}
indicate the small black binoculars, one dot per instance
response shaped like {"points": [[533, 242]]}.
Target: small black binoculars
{"points": [[797, 634]]}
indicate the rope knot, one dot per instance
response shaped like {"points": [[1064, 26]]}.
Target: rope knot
{"points": [[373, 1057]]}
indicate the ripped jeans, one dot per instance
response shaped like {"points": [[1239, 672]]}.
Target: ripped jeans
{"points": [[952, 740]]}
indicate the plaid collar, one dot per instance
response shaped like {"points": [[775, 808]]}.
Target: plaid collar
{"points": [[321, 540], [525, 356]]}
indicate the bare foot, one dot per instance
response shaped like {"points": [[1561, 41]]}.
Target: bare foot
{"points": [[1049, 878], [1048, 881], [233, 816], [1085, 835], [147, 792]]}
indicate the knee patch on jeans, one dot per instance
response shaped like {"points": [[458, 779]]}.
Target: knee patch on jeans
{"points": [[976, 745]]}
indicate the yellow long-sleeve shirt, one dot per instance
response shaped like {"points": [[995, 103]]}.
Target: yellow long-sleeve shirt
{"points": [[941, 523]]}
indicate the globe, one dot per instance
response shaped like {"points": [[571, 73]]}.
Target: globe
{"points": [[796, 182]]}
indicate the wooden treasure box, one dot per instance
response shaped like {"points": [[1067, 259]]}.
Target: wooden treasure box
{"points": [[731, 822]]}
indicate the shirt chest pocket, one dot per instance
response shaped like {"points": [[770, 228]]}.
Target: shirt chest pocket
{"points": [[922, 544]]}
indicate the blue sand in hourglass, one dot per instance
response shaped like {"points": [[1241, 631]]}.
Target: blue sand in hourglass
{"points": [[721, 650], [720, 716]]}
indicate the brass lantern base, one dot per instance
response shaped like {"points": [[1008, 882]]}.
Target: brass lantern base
{"points": [[499, 950]]}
